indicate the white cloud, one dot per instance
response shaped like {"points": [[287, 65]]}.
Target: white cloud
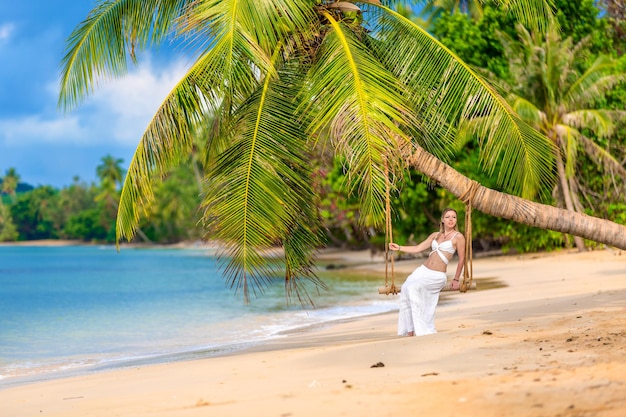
{"points": [[6, 29], [31, 129], [119, 111], [128, 104]]}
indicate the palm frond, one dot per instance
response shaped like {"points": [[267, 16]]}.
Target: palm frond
{"points": [[355, 97], [100, 47], [168, 137], [259, 189], [265, 22], [599, 121], [166, 142], [226, 73], [526, 110], [523, 63], [298, 245], [569, 56], [603, 158], [446, 88], [597, 80], [535, 14]]}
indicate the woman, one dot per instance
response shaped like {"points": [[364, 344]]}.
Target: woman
{"points": [[420, 292]]}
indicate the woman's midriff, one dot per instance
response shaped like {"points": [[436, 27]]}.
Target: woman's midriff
{"points": [[435, 263]]}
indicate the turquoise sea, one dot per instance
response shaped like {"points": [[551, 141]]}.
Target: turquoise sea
{"points": [[77, 309]]}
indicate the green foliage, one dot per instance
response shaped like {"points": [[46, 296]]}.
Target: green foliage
{"points": [[615, 14], [271, 82], [338, 209], [176, 214], [616, 212], [580, 18], [33, 214], [9, 183], [495, 234], [86, 225], [87, 212], [71, 202], [110, 170], [8, 231], [416, 210], [476, 41], [570, 110], [519, 238]]}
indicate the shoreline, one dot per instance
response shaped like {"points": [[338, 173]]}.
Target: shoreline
{"points": [[550, 342], [24, 369], [67, 242], [173, 357]]}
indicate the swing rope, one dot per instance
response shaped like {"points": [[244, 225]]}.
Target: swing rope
{"points": [[388, 235], [468, 270]]}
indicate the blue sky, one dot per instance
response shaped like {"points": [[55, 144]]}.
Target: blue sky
{"points": [[45, 145]]}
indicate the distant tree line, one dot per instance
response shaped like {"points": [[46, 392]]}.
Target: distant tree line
{"points": [[87, 212]]}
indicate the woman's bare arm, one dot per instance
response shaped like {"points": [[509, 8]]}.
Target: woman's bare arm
{"points": [[414, 249], [459, 245]]}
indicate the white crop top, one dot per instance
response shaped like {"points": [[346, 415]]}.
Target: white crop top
{"points": [[445, 246]]}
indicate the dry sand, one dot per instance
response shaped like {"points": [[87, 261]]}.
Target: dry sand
{"points": [[550, 341]]}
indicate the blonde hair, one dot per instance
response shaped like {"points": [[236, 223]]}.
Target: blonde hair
{"points": [[441, 225]]}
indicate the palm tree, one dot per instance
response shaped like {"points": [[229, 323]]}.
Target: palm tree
{"points": [[8, 231], [283, 77], [549, 93], [111, 175], [9, 183], [110, 170]]}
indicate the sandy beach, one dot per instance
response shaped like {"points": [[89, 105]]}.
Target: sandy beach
{"points": [[549, 339]]}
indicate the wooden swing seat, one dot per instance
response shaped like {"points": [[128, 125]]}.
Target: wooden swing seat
{"points": [[387, 289]]}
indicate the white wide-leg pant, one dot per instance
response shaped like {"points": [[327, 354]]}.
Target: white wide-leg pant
{"points": [[418, 299]]}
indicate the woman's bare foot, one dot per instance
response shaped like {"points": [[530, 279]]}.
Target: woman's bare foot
{"points": [[410, 334]]}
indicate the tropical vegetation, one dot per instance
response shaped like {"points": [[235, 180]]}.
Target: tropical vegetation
{"points": [[553, 94], [281, 79], [480, 45], [87, 212]]}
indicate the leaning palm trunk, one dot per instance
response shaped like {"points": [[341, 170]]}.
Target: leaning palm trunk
{"points": [[514, 208]]}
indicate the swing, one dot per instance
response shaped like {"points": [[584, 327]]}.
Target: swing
{"points": [[468, 278]]}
